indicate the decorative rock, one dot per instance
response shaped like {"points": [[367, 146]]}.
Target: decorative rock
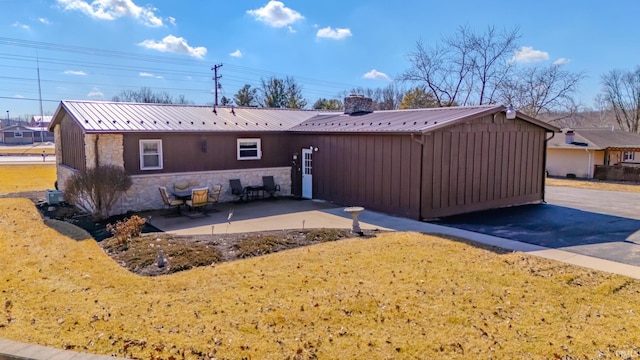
{"points": [[161, 261]]}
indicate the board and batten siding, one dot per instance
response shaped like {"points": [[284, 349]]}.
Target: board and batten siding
{"points": [[188, 152], [71, 139], [482, 165], [378, 172]]}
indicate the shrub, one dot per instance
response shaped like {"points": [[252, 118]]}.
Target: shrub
{"points": [[125, 230], [97, 189]]}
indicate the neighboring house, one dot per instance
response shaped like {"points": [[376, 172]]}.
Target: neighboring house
{"points": [[40, 125], [578, 151], [17, 135], [419, 164]]}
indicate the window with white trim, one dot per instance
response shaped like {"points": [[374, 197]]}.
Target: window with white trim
{"points": [[249, 149], [150, 154], [629, 156]]}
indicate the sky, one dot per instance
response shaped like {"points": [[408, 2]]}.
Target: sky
{"points": [[95, 49]]}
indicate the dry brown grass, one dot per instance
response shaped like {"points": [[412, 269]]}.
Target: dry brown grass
{"points": [[18, 178], [399, 295], [594, 184]]}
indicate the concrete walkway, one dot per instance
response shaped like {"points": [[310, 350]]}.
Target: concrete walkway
{"points": [[13, 350], [296, 214]]}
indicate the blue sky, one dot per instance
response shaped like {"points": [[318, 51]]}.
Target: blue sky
{"points": [[94, 49]]}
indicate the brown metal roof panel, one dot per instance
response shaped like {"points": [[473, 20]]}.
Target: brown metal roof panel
{"points": [[394, 120], [119, 117]]}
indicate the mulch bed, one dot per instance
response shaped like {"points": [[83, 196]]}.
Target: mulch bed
{"points": [[141, 255]]}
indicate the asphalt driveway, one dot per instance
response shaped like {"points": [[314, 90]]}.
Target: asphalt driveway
{"points": [[601, 224]]}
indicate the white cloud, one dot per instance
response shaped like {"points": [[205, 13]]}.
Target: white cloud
{"points": [[276, 14], [376, 75], [114, 9], [337, 33], [146, 74], [95, 93], [44, 21], [528, 54], [18, 97], [75, 72], [177, 45], [237, 53], [561, 61], [20, 25], [171, 20]]}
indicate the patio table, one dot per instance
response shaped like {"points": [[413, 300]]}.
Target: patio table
{"points": [[182, 194], [254, 192]]}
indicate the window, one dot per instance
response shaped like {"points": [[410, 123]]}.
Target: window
{"points": [[150, 154], [249, 149], [17, 134], [629, 156]]}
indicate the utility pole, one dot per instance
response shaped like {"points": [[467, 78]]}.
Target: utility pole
{"points": [[40, 97], [215, 79]]}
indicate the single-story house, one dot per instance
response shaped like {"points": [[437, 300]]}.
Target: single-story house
{"points": [[420, 164], [579, 151], [40, 127], [16, 135]]}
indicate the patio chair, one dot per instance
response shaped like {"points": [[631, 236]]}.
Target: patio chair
{"points": [[198, 199], [270, 186], [181, 186], [236, 189], [169, 200], [214, 194]]}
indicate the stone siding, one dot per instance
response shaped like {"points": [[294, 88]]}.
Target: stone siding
{"points": [[110, 146], [144, 195]]}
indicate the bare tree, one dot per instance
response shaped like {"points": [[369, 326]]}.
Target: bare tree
{"points": [[543, 91], [386, 98], [146, 95], [621, 91], [464, 69]]}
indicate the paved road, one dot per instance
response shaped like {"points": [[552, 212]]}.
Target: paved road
{"points": [[34, 159], [602, 224]]}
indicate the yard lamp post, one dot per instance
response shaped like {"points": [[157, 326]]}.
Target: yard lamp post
{"points": [[8, 118]]}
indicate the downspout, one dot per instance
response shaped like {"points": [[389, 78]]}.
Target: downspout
{"points": [[96, 153], [421, 142], [589, 169], [544, 165]]}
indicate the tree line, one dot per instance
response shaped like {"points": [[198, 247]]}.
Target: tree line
{"points": [[466, 68]]}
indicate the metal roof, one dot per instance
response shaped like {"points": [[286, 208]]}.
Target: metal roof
{"points": [[396, 121], [98, 116], [597, 139]]}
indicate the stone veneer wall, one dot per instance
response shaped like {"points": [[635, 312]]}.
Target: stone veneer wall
{"points": [[110, 146], [144, 194]]}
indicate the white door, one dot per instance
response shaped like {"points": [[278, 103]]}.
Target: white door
{"points": [[307, 171]]}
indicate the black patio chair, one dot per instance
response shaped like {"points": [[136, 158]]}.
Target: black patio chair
{"points": [[236, 189], [270, 186]]}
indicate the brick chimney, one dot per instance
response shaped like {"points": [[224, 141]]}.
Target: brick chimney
{"points": [[357, 104], [568, 137]]}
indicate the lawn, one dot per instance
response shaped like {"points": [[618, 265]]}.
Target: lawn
{"points": [[18, 178], [594, 184], [399, 295]]}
